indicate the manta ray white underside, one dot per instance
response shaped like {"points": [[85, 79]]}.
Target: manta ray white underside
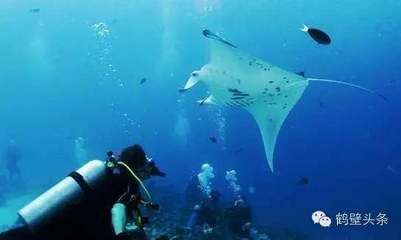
{"points": [[237, 79]]}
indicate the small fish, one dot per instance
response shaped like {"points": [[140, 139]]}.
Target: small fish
{"points": [[318, 35], [143, 80], [213, 139], [34, 10], [239, 150], [301, 74], [303, 181]]}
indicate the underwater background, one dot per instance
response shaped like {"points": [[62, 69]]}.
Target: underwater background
{"points": [[71, 69]]}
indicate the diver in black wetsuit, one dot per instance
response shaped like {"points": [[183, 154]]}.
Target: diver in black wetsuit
{"points": [[206, 216], [88, 203], [192, 194], [238, 219], [127, 207]]}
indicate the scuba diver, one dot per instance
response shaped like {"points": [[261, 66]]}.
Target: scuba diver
{"points": [[238, 219], [206, 216], [3, 184], [96, 202], [127, 207], [12, 156], [192, 193]]}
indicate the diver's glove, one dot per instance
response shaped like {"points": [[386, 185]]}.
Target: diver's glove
{"points": [[155, 171], [123, 236], [137, 234], [153, 206]]}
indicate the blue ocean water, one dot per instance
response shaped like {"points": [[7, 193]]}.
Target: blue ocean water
{"points": [[73, 69]]}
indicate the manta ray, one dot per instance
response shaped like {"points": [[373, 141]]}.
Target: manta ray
{"points": [[237, 79]]}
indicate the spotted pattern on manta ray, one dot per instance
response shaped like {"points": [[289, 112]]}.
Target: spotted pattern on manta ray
{"points": [[255, 62], [270, 95], [223, 72]]}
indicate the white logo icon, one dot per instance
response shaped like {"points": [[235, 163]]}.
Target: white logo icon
{"points": [[316, 216], [321, 218], [325, 222]]}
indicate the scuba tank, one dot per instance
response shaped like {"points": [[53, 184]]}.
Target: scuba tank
{"points": [[64, 198], [79, 185]]}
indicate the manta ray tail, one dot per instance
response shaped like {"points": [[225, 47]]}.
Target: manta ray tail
{"points": [[347, 84]]}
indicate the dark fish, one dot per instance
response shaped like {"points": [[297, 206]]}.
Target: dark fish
{"points": [[301, 74], [382, 96], [213, 139], [239, 150], [34, 10], [318, 35], [303, 181], [143, 80]]}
